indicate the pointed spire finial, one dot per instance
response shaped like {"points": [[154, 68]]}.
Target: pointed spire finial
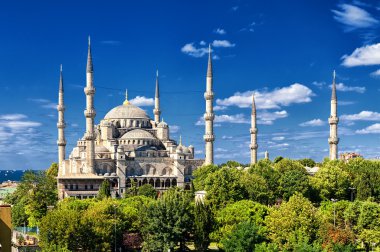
{"points": [[60, 79], [180, 139], [126, 102], [333, 93], [209, 66], [89, 57], [253, 104], [157, 94]]}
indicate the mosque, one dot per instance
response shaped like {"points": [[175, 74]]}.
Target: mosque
{"points": [[128, 147]]}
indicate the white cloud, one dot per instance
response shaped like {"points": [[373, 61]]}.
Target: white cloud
{"points": [[362, 116], [278, 138], [376, 73], [313, 123], [238, 118], [235, 8], [373, 129], [319, 84], [202, 43], [44, 103], [267, 118], [19, 125], [221, 150], [354, 17], [191, 50], [222, 43], [344, 88], [174, 129], [219, 108], [363, 56], [226, 137], [296, 93], [220, 31], [141, 101], [12, 117]]}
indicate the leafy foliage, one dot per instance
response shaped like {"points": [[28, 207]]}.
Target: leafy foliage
{"points": [[203, 226], [104, 190]]}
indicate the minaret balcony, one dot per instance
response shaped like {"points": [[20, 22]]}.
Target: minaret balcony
{"points": [[61, 107], [89, 136], [209, 116], [253, 130], [333, 120], [209, 138], [156, 111], [253, 146], [61, 142], [90, 113], [89, 90], [61, 125], [333, 140], [209, 95]]}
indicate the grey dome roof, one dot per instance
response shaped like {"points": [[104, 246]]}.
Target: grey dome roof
{"points": [[126, 111], [138, 134]]}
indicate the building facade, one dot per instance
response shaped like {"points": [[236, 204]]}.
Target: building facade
{"points": [[127, 147]]}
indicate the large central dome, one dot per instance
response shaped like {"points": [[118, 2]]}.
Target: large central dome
{"points": [[126, 111]]}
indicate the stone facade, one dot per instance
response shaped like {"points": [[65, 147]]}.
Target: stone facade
{"points": [[126, 147]]}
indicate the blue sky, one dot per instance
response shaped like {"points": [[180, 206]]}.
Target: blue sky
{"points": [[284, 51]]}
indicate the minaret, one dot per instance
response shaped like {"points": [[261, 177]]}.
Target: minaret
{"points": [[209, 115], [90, 113], [253, 131], [156, 110], [333, 121], [61, 142]]}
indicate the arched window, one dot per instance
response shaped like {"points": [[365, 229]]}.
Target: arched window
{"points": [[167, 183], [151, 182], [174, 182], [158, 183], [128, 183], [145, 181], [137, 123]]}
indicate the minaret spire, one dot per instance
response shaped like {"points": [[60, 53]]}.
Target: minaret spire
{"points": [[61, 142], [90, 113], [253, 132], [209, 115], [156, 110], [333, 121]]}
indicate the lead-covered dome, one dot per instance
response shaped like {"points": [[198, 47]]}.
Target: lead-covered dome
{"points": [[126, 111], [138, 134]]}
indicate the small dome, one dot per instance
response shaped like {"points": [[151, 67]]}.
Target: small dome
{"points": [[138, 134], [162, 124], [186, 150], [113, 174], [106, 174], [126, 111]]}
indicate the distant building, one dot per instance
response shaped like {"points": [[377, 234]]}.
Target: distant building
{"points": [[349, 155]]}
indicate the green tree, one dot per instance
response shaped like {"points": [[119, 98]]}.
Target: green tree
{"points": [[307, 162], [36, 191], [293, 178], [265, 169], [256, 187], [243, 238], [200, 175], [104, 190], [203, 226], [365, 176], [332, 181], [277, 159], [241, 211], [293, 223], [168, 221], [224, 186], [148, 191]]}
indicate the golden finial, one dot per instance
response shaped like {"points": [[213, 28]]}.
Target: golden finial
{"points": [[126, 102]]}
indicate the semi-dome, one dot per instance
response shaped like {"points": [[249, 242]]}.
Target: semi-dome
{"points": [[101, 149], [126, 111], [138, 134]]}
